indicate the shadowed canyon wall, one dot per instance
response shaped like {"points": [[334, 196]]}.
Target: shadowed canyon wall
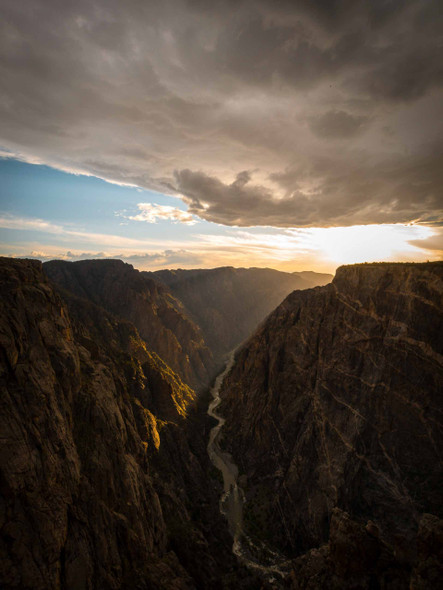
{"points": [[229, 303], [334, 415]]}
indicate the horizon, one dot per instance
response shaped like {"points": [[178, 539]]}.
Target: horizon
{"points": [[290, 250], [179, 268], [290, 136]]}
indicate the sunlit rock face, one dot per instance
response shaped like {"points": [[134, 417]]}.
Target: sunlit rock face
{"points": [[100, 483], [334, 415], [228, 303], [157, 315]]}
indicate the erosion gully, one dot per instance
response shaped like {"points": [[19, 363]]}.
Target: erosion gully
{"points": [[252, 553]]}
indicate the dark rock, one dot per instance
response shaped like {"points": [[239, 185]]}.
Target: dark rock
{"points": [[428, 571], [335, 403], [159, 317], [228, 303], [103, 470]]}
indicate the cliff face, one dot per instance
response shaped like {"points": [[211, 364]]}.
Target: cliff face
{"points": [[228, 303], [100, 482], [157, 315], [334, 414]]}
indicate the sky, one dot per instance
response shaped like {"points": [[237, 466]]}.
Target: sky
{"points": [[299, 135]]}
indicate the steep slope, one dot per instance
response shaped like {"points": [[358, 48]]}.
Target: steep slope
{"points": [[157, 315], [334, 415], [100, 483], [228, 303]]}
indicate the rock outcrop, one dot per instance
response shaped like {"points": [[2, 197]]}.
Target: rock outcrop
{"points": [[228, 303], [101, 483], [158, 316], [334, 415]]}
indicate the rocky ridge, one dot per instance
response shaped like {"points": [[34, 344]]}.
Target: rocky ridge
{"points": [[334, 416]]}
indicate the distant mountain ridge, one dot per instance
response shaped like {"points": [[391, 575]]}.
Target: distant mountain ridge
{"points": [[228, 303]]}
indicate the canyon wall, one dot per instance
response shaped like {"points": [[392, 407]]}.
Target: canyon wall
{"points": [[334, 415], [158, 316], [229, 303], [104, 477]]}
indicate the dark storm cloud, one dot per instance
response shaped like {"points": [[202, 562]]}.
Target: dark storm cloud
{"points": [[336, 124], [332, 107], [399, 191]]}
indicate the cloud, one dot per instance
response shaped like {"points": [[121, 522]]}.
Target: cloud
{"points": [[69, 233], [151, 212], [143, 260], [336, 124], [290, 249], [333, 108], [13, 222], [318, 193], [433, 243], [338, 245]]}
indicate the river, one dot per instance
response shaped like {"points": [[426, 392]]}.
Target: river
{"points": [[252, 553]]}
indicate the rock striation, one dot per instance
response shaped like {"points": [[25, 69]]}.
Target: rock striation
{"points": [[103, 480], [158, 316], [334, 416], [228, 303]]}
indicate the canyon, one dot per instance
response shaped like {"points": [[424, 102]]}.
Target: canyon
{"points": [[228, 303], [331, 413]]}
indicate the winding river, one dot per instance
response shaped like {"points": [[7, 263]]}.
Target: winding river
{"points": [[254, 554]]}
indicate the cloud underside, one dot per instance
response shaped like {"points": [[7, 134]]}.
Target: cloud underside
{"points": [[336, 197], [253, 113]]}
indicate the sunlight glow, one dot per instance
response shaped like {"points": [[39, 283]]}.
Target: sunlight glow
{"points": [[326, 248], [321, 249], [365, 243]]}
